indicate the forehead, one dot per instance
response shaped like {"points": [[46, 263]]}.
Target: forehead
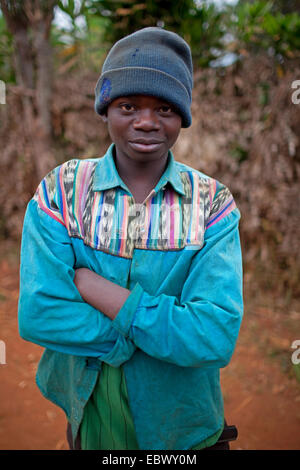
{"points": [[141, 100]]}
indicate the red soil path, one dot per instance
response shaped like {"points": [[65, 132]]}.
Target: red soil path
{"points": [[261, 393]]}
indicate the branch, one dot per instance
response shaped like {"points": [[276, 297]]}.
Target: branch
{"points": [[21, 90]]}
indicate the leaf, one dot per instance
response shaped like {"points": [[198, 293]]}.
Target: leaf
{"points": [[296, 368]]}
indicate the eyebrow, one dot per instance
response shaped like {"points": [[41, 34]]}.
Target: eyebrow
{"points": [[136, 97]]}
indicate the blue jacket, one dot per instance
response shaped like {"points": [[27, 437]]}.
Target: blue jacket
{"points": [[178, 253]]}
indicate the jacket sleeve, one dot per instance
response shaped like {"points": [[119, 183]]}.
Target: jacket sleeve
{"points": [[51, 311], [201, 328]]}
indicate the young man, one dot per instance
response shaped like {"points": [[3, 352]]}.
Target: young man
{"points": [[131, 273]]}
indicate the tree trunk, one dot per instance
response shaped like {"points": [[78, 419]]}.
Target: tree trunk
{"points": [[44, 87], [30, 22]]}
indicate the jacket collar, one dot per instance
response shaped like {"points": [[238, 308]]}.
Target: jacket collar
{"points": [[107, 177]]}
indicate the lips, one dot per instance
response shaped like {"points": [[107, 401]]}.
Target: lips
{"points": [[145, 145]]}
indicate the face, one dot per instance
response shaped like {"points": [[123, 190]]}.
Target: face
{"points": [[143, 128]]}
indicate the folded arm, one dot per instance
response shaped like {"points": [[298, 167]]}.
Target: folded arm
{"points": [[200, 329], [52, 312]]}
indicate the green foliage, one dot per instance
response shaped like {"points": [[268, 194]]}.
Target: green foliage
{"points": [[129, 16], [238, 153], [296, 368], [74, 11], [7, 73], [201, 25], [94, 44], [258, 27], [264, 89], [81, 43], [94, 25], [203, 28], [254, 26]]}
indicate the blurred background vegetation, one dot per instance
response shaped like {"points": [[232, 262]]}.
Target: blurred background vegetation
{"points": [[245, 128]]}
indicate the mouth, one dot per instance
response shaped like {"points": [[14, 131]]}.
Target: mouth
{"points": [[145, 145]]}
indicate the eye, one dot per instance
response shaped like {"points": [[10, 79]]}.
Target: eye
{"points": [[166, 109], [126, 107]]}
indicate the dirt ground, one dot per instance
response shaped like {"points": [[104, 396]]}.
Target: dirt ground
{"points": [[261, 392]]}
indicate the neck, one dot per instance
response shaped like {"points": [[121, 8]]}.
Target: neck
{"points": [[146, 174]]}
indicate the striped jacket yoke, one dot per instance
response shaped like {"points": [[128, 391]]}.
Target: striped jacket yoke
{"points": [[82, 195]]}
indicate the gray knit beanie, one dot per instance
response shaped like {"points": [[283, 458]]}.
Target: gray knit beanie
{"points": [[151, 61]]}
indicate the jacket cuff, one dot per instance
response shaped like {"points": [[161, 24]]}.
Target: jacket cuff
{"points": [[123, 321]]}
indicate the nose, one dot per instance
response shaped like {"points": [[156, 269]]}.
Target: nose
{"points": [[146, 120]]}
